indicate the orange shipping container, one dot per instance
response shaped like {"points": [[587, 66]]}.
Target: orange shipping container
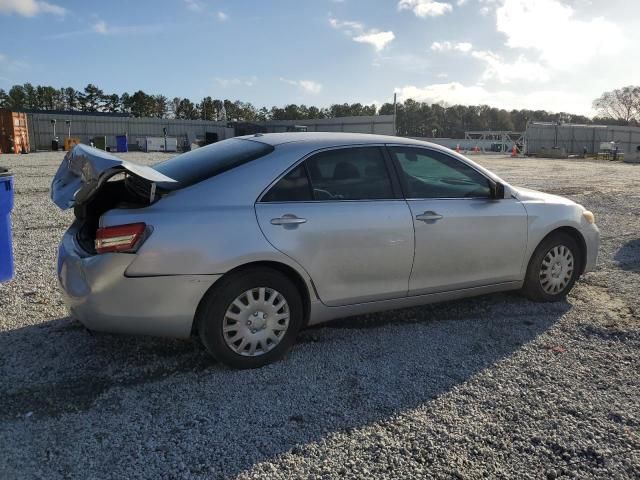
{"points": [[70, 142], [14, 132]]}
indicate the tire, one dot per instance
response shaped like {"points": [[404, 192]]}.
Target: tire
{"points": [[550, 274], [268, 328]]}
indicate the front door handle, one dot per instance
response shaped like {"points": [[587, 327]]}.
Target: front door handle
{"points": [[288, 219], [429, 216]]}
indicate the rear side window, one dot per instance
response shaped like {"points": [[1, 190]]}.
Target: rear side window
{"points": [[206, 162], [293, 187], [356, 173]]}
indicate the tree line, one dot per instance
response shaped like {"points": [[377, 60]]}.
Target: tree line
{"points": [[141, 104], [416, 119]]}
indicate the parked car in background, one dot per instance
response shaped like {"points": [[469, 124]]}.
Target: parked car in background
{"points": [[246, 241]]}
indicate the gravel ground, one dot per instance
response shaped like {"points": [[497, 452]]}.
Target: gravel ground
{"points": [[494, 386]]}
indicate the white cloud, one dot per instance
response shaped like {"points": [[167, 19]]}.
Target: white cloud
{"points": [[549, 52], [232, 82], [30, 8], [310, 86], [425, 8], [102, 28], [307, 86], [358, 33], [348, 26], [223, 17], [551, 28], [463, 47], [506, 72], [194, 5], [496, 68], [51, 8], [379, 40], [455, 93]]}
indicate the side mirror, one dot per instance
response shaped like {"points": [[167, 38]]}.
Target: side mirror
{"points": [[497, 190]]}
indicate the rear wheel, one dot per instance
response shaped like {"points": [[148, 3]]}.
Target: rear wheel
{"points": [[251, 318], [553, 269]]}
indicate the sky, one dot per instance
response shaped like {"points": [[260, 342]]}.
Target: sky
{"points": [[557, 55]]}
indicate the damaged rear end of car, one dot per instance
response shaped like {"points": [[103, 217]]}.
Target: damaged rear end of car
{"points": [[92, 182], [131, 262], [112, 201]]}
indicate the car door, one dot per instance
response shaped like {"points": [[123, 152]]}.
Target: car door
{"points": [[464, 238], [340, 215]]}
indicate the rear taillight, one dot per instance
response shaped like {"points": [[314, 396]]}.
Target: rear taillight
{"points": [[121, 238]]}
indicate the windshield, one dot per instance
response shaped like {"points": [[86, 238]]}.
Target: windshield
{"points": [[206, 162]]}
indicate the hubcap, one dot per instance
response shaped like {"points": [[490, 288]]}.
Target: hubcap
{"points": [[256, 321], [556, 270]]}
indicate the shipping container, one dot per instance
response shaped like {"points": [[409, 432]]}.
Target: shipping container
{"points": [[70, 142], [14, 132]]}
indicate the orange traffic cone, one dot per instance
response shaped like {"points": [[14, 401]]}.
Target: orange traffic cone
{"points": [[514, 151]]}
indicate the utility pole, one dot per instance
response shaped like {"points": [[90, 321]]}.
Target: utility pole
{"points": [[164, 133], [395, 113]]}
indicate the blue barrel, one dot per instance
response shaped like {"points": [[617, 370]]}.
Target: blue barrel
{"points": [[121, 143], [6, 205]]}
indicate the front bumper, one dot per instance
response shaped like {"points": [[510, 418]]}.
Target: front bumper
{"points": [[100, 295], [591, 236]]}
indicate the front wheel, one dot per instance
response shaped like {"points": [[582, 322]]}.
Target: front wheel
{"points": [[553, 269], [251, 318]]}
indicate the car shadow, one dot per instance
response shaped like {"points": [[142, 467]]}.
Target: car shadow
{"points": [[628, 256], [165, 401]]}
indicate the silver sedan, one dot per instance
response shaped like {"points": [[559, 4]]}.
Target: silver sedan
{"points": [[246, 241]]}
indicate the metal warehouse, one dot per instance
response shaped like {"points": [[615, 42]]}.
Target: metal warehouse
{"points": [[87, 126], [575, 138]]}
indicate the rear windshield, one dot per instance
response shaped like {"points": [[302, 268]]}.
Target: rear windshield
{"points": [[206, 162]]}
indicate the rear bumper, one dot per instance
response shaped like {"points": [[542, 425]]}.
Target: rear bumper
{"points": [[100, 295]]}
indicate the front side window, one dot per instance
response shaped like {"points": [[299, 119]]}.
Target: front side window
{"points": [[357, 173], [432, 174]]}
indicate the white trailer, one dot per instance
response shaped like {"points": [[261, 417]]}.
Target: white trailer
{"points": [[160, 144]]}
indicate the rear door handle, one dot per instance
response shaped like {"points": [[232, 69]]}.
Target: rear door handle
{"points": [[288, 220], [429, 216]]}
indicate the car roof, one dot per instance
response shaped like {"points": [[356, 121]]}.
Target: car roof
{"points": [[329, 139]]}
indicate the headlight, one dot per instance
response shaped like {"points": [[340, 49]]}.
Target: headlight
{"points": [[589, 217]]}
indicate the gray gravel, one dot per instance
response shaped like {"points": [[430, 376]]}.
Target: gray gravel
{"points": [[494, 386]]}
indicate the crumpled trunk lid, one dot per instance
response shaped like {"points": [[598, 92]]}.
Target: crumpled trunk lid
{"points": [[85, 169]]}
